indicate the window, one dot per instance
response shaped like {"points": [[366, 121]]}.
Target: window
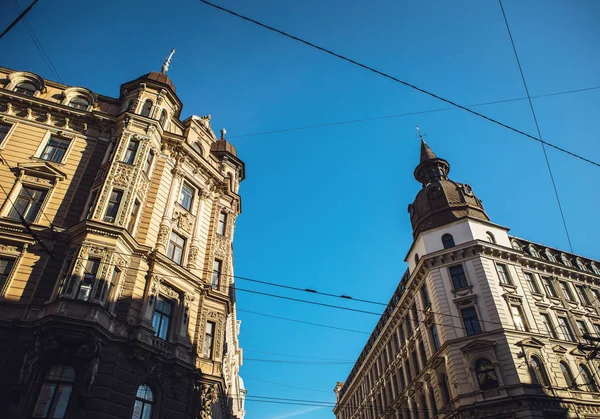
{"points": [[148, 162], [424, 406], [503, 274], [531, 284], [55, 149], [596, 296], [566, 260], [186, 196], [550, 256], [568, 375], [4, 129], [175, 248], [91, 204], [423, 354], [55, 393], [490, 237], [432, 401], [26, 88], [517, 315], [448, 241], [582, 295], [161, 321], [445, 389], [549, 287], [588, 380], [595, 268], [6, 265], [28, 203], [209, 337], [102, 290], [222, 223], [89, 277], [435, 339], [582, 327], [131, 151], [146, 108], [538, 372], [548, 325], [142, 408], [114, 202], [415, 314], [425, 297], [79, 102], [470, 321], [163, 118], [459, 280], [596, 329], [134, 213], [486, 374], [579, 262], [533, 251], [566, 290], [565, 328], [216, 277], [401, 378]]}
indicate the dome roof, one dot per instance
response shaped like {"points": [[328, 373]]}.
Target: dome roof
{"points": [[441, 200], [223, 146], [160, 78]]}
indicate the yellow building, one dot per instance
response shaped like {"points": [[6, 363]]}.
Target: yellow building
{"points": [[116, 269]]}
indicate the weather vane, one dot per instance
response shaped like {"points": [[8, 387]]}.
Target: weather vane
{"points": [[165, 66], [421, 135]]}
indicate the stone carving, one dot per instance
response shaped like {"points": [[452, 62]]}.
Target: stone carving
{"points": [[123, 175], [92, 351], [32, 357], [6, 248], [163, 235], [193, 255], [208, 396], [37, 180], [184, 221]]}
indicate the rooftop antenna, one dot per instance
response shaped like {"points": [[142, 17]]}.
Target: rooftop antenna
{"points": [[165, 66]]}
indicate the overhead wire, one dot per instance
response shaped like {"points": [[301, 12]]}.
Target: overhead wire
{"points": [[537, 126], [18, 19], [397, 80]]}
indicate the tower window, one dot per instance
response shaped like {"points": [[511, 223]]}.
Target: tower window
{"points": [[448, 241], [538, 372], [55, 149], [486, 374], [163, 118], [186, 196], [146, 108], [114, 202], [54, 395], [79, 102], [28, 203], [470, 320], [459, 280], [490, 237], [26, 88], [216, 277], [161, 321], [209, 337], [89, 277], [222, 223], [142, 408], [131, 151], [503, 274], [175, 248]]}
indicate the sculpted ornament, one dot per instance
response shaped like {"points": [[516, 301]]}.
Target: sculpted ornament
{"points": [[163, 235], [184, 221], [91, 350], [208, 396], [123, 175], [32, 357]]}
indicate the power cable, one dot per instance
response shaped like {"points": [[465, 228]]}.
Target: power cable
{"points": [[397, 80], [537, 126], [287, 361], [291, 355], [283, 385], [376, 118], [18, 19]]}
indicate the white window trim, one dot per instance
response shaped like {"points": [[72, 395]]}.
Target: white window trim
{"points": [[194, 194], [87, 202], [38, 153], [17, 257], [9, 133], [105, 206], [16, 190]]}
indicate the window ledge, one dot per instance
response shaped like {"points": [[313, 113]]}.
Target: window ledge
{"points": [[460, 292]]}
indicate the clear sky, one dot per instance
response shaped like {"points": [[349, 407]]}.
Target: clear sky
{"points": [[326, 208]]}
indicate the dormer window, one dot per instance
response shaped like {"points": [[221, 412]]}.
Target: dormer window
{"points": [[515, 245], [163, 118], [26, 88], [550, 256], [490, 237], [448, 241], [146, 108], [533, 251], [595, 268], [566, 260], [581, 265], [79, 102]]}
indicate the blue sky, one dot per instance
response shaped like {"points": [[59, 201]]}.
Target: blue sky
{"points": [[326, 208]]}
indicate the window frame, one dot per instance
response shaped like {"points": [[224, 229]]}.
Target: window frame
{"points": [[129, 155], [11, 127], [163, 315], [549, 287], [538, 372], [518, 317], [567, 375], [590, 384], [15, 214], [549, 325], [172, 246], [531, 282], [222, 223], [566, 329], [208, 345], [26, 92], [89, 279], [476, 317], [79, 97], [567, 292], [42, 149], [485, 366], [148, 162], [111, 204], [448, 241], [503, 274], [460, 280], [59, 383], [142, 111], [181, 199], [217, 274], [143, 402], [5, 277], [582, 295]]}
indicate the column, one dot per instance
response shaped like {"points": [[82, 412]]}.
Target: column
{"points": [[165, 224]]}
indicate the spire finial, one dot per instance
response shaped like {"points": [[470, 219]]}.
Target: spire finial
{"points": [[165, 66], [420, 134], [223, 132]]}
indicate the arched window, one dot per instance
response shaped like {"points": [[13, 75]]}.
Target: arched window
{"points": [[515, 245], [146, 108], [486, 374], [538, 372], [588, 380], [432, 401], [416, 258], [142, 409], [196, 146], [55, 393], [533, 251], [130, 105], [26, 88], [79, 102], [568, 375], [550, 256], [163, 118], [490, 237], [445, 389], [595, 268], [566, 260], [581, 265], [448, 241]]}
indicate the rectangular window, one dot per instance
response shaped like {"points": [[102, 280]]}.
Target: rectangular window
{"points": [[596, 330], [4, 129], [133, 217], [408, 325], [549, 286], [435, 339], [163, 312], [114, 202], [415, 362], [415, 315], [401, 378], [175, 248], [55, 149], [503, 274], [131, 151], [222, 222], [6, 265], [565, 328], [566, 290], [596, 296], [209, 337], [582, 295], [533, 286], [186, 196], [518, 318], [548, 325], [148, 162], [216, 277], [459, 280], [583, 330], [423, 354], [91, 204], [89, 277], [408, 371], [425, 297], [470, 320], [28, 203]]}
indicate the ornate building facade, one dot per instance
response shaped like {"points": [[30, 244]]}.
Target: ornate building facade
{"points": [[482, 324], [116, 263]]}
